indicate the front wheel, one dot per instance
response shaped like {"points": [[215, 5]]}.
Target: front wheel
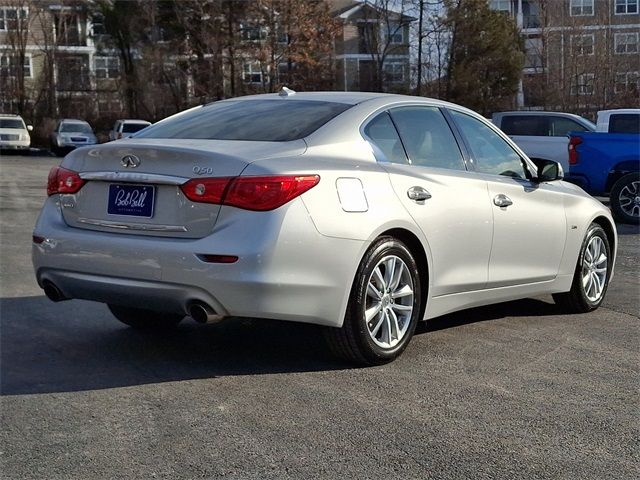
{"points": [[591, 276], [625, 199], [383, 308], [141, 319]]}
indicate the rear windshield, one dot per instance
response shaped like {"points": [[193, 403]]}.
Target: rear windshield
{"points": [[258, 120], [624, 123], [76, 128], [11, 123], [133, 127]]}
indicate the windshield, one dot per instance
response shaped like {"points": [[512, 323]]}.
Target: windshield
{"points": [[133, 127], [257, 120], [11, 123], [76, 128]]}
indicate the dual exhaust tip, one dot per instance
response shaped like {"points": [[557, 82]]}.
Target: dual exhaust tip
{"points": [[199, 311]]}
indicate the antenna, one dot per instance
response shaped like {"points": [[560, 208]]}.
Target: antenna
{"points": [[286, 92]]}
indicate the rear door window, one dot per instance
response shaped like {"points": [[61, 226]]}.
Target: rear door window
{"points": [[383, 134], [525, 125], [427, 137], [560, 127], [491, 153], [624, 123]]}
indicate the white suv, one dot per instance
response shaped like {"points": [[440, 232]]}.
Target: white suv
{"points": [[14, 134], [126, 128]]}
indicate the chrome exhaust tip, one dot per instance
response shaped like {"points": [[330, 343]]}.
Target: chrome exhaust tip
{"points": [[203, 313]]}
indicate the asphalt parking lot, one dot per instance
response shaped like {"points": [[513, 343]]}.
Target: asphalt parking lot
{"points": [[517, 390]]}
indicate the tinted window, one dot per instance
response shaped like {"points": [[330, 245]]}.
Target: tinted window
{"points": [[624, 123], [11, 123], [527, 125], [491, 154], [383, 134], [75, 127], [427, 137], [560, 127], [278, 120], [133, 127]]}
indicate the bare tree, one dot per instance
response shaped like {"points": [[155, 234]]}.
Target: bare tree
{"points": [[18, 19]]}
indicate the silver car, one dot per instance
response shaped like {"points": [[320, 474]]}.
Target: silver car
{"points": [[362, 212], [71, 133]]}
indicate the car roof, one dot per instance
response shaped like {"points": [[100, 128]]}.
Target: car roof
{"points": [[73, 120], [132, 120], [351, 98], [10, 115], [619, 110]]}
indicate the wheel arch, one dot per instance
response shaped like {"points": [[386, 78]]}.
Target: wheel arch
{"points": [[416, 248], [620, 170], [609, 230]]}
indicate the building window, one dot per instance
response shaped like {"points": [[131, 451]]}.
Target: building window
{"points": [[626, 6], [626, 42], [581, 7], [11, 17], [584, 84], [97, 25], [10, 66], [533, 52], [252, 73], [394, 72], [107, 106], [627, 82], [500, 5], [252, 33], [583, 44], [106, 67], [395, 33]]}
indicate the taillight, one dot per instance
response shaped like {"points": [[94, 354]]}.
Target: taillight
{"points": [[62, 180], [573, 152], [249, 193]]}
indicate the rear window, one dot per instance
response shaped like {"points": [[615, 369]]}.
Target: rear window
{"points": [[255, 120], [11, 123], [133, 127], [527, 125], [624, 123]]}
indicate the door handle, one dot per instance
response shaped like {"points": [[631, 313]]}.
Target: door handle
{"points": [[418, 194], [501, 200]]}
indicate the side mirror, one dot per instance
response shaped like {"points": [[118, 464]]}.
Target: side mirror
{"points": [[30, 128], [548, 170]]}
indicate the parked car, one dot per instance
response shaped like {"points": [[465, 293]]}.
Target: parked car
{"points": [[126, 128], [625, 120], [361, 212], [542, 134], [608, 164], [71, 133], [14, 134]]}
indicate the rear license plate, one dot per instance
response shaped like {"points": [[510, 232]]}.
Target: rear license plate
{"points": [[134, 200]]}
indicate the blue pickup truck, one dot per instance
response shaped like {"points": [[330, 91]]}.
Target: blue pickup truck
{"points": [[608, 164]]}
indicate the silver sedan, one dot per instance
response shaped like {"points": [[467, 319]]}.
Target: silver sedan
{"points": [[365, 213]]}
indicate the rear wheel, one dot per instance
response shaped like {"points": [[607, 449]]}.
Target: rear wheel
{"points": [[384, 306], [142, 319], [591, 277], [625, 199]]}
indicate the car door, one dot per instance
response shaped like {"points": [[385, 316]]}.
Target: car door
{"points": [[529, 223], [449, 204]]}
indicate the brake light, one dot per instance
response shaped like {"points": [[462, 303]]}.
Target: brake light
{"points": [[573, 152], [249, 193], [62, 180]]}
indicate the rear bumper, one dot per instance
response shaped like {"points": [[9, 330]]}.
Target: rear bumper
{"points": [[286, 269]]}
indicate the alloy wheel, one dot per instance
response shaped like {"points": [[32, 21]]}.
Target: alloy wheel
{"points": [[594, 269]]}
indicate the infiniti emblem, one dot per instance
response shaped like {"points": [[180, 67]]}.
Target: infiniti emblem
{"points": [[130, 161]]}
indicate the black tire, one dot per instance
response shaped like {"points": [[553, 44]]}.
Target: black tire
{"points": [[577, 300], [142, 319], [353, 342], [626, 190]]}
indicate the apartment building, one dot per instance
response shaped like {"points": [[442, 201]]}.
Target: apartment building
{"points": [[581, 55]]}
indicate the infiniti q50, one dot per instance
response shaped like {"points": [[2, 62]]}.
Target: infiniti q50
{"points": [[364, 213]]}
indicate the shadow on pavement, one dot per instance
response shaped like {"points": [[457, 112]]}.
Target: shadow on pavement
{"points": [[77, 345]]}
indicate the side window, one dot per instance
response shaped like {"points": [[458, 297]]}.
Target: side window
{"points": [[427, 137], [383, 134], [560, 127], [624, 123], [526, 125], [491, 153]]}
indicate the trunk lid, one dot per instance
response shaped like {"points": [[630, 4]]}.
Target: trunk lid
{"points": [[148, 173]]}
